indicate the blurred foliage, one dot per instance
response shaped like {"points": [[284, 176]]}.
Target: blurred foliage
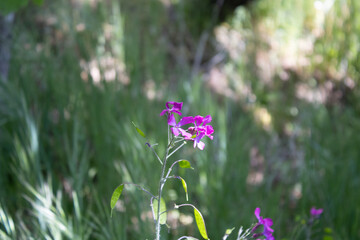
{"points": [[280, 78], [8, 6]]}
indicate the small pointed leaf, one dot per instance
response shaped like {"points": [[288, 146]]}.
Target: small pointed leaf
{"points": [[138, 130], [115, 196], [185, 187], [200, 223], [163, 214], [185, 164]]}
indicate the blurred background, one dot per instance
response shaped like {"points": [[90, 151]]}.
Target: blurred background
{"points": [[280, 79]]}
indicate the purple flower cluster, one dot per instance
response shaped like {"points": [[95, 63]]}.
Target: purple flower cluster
{"points": [[267, 223], [195, 132]]}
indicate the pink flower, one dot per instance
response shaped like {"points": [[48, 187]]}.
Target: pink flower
{"points": [[172, 107], [316, 212], [267, 223], [200, 130], [196, 132]]}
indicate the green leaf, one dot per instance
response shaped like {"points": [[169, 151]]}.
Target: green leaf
{"points": [[185, 188], [200, 223], [138, 130], [185, 164], [163, 214], [115, 197]]}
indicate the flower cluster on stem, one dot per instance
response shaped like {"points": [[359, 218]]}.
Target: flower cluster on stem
{"points": [[197, 127]]}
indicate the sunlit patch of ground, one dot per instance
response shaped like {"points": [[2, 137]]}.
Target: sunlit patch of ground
{"points": [[106, 68]]}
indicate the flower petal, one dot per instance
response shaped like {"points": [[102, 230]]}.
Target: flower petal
{"points": [[209, 130], [167, 104], [199, 136], [171, 120], [175, 131], [268, 223], [185, 120], [185, 134], [176, 111], [177, 105], [207, 120], [257, 213], [199, 144], [198, 120], [163, 112]]}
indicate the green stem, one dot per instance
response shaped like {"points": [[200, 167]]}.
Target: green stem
{"points": [[153, 150], [177, 149], [161, 185], [164, 178], [143, 189], [183, 205]]}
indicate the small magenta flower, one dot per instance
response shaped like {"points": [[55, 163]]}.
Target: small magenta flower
{"points": [[267, 223], [196, 132], [172, 107], [315, 213], [200, 130], [201, 125]]}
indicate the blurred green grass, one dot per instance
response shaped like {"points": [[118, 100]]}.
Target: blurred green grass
{"points": [[81, 71]]}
